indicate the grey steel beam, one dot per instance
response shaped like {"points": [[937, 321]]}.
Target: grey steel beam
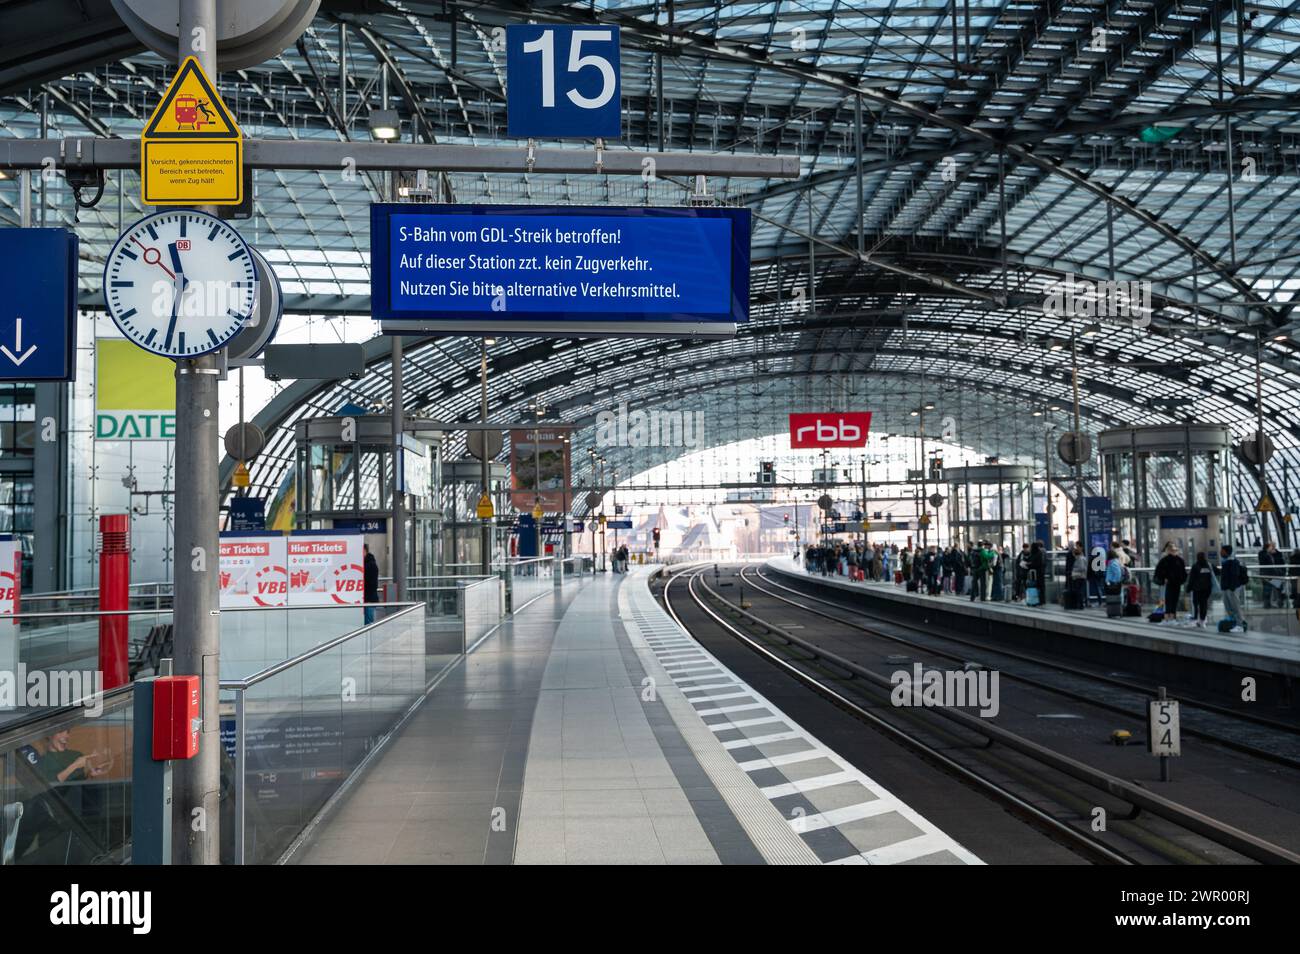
{"points": [[311, 154]]}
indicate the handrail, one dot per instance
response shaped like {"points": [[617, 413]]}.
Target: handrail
{"points": [[229, 609], [249, 681], [12, 731]]}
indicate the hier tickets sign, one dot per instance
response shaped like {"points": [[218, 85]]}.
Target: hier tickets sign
{"points": [[254, 570], [829, 429], [325, 569], [191, 150]]}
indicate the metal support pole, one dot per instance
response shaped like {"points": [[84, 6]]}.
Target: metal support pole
{"points": [[857, 152], [196, 839], [398, 530], [485, 530], [1078, 468], [343, 74], [1259, 434], [537, 489]]}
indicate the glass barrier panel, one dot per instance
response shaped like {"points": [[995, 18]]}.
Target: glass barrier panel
{"points": [[65, 787]]}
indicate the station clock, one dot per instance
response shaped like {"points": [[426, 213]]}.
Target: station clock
{"points": [[180, 283]]}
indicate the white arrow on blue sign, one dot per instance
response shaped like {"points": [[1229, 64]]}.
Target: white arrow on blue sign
{"points": [[562, 82], [38, 311]]}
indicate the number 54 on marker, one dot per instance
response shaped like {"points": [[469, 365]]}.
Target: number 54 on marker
{"points": [[562, 82]]}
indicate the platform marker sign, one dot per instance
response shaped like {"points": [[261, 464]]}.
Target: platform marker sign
{"points": [[1163, 730], [191, 150], [562, 82]]}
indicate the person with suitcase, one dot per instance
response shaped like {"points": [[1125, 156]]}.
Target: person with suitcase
{"points": [[1115, 571]]}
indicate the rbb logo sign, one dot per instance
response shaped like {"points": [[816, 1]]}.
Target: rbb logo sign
{"points": [[830, 429], [562, 82]]}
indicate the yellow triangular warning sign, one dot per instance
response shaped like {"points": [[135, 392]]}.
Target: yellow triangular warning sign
{"points": [[191, 109], [1266, 505]]}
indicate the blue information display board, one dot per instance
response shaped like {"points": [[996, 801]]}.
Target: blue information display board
{"points": [[489, 269], [562, 81], [38, 310]]}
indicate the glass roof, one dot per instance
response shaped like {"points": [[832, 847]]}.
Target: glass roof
{"points": [[997, 153]]}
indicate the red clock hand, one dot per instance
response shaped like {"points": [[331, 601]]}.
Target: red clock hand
{"points": [[157, 257]]}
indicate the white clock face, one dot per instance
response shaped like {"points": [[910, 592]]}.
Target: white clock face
{"points": [[180, 283]]}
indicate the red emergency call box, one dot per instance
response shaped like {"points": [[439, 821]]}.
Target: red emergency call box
{"points": [[176, 721]]}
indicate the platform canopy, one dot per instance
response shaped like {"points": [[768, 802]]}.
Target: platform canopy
{"points": [[957, 159]]}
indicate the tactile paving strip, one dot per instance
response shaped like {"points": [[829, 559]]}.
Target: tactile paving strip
{"points": [[840, 814]]}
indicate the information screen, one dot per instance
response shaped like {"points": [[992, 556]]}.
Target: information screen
{"points": [[479, 266]]}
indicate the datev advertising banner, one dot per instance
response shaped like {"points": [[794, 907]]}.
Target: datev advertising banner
{"points": [[253, 570], [135, 393], [325, 567], [829, 429], [485, 269]]}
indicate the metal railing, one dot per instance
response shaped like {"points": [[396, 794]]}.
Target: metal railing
{"points": [[304, 725]]}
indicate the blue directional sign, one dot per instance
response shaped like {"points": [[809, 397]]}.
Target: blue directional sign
{"points": [[562, 82], [38, 310], [537, 269]]}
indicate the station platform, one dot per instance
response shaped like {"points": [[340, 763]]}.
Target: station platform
{"points": [[1257, 650], [590, 729]]}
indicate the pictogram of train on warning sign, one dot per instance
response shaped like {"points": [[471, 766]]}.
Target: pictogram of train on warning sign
{"points": [[192, 111]]}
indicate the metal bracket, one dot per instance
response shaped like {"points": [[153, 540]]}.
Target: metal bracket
{"points": [[530, 160], [600, 155]]}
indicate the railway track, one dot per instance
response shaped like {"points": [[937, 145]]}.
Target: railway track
{"points": [[1044, 788], [1281, 749]]}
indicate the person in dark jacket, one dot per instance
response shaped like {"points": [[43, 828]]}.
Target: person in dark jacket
{"points": [[1200, 584], [1272, 564], [1036, 572], [1171, 573], [1294, 573], [1232, 580], [371, 593]]}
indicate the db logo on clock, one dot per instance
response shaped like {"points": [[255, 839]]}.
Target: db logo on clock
{"points": [[182, 245]]}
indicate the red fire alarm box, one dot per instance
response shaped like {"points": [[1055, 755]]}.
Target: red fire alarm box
{"points": [[176, 720]]}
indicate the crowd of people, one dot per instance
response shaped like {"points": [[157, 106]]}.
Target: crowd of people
{"points": [[981, 570]]}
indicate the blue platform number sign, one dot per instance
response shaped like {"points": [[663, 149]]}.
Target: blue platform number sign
{"points": [[562, 81]]}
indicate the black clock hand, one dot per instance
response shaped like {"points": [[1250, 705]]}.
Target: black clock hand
{"points": [[181, 282]]}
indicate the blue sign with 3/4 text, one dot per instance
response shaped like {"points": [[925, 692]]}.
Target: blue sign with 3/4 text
{"points": [[480, 266], [38, 310], [562, 81]]}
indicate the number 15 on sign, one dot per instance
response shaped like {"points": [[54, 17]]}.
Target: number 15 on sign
{"points": [[562, 82]]}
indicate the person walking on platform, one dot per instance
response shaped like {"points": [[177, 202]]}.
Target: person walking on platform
{"points": [[370, 586], [959, 568], [1200, 584], [1171, 573], [1232, 579]]}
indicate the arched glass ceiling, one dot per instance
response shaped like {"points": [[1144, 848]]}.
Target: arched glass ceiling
{"points": [[998, 153]]}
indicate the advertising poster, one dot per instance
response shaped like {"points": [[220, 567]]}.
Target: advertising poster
{"points": [[325, 567], [135, 393], [253, 570], [534, 451]]}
